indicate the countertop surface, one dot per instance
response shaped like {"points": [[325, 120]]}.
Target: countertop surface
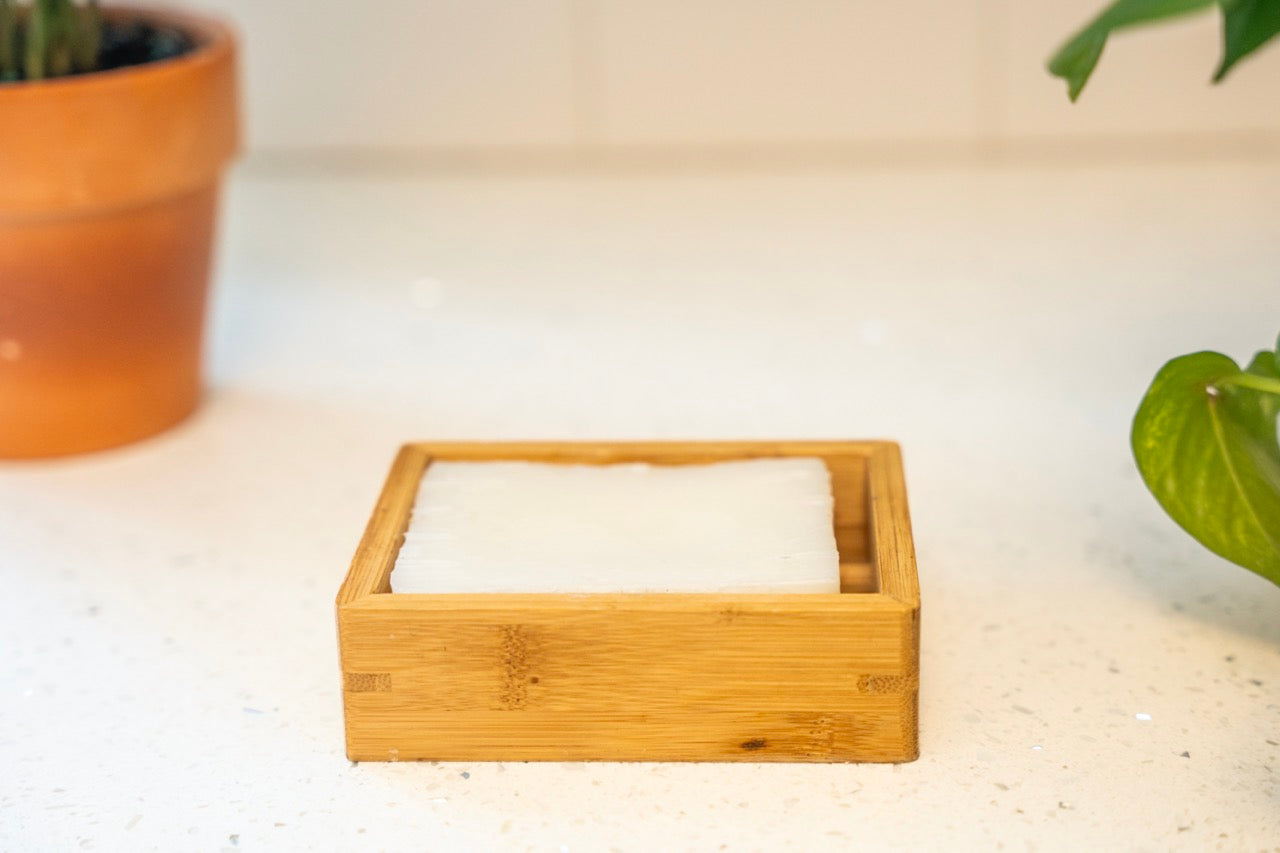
{"points": [[1091, 678]]}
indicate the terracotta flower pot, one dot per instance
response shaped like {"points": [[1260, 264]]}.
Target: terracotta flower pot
{"points": [[108, 190]]}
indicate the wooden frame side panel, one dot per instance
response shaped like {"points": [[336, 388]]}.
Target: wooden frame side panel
{"points": [[658, 452], [371, 565], [863, 732], [893, 556], [892, 548], [575, 680]]}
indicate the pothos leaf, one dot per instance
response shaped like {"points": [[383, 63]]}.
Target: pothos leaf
{"points": [[1076, 59], [1246, 26], [1205, 441]]}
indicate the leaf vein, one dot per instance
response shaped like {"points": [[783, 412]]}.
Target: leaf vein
{"points": [[1215, 418]]}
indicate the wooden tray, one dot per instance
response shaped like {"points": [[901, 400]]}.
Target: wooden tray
{"points": [[652, 677]]}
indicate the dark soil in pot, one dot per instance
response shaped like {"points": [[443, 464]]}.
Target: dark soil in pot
{"points": [[136, 42]]}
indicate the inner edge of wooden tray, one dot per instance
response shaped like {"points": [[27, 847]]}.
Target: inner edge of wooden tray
{"points": [[891, 555]]}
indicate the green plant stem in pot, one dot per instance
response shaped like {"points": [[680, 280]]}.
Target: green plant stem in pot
{"points": [[50, 38]]}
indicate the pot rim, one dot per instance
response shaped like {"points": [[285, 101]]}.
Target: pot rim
{"points": [[120, 138], [214, 42]]}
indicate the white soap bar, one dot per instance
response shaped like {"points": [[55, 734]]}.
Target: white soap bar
{"points": [[761, 525]]}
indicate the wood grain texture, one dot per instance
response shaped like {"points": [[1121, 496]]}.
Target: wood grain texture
{"points": [[892, 546], [674, 677], [384, 534]]}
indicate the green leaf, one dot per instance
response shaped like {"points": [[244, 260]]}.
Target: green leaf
{"points": [[1246, 26], [1205, 441], [1075, 60]]}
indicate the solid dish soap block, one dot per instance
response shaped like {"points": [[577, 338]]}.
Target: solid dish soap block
{"points": [[760, 525]]}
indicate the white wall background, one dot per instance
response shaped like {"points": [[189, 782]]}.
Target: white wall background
{"points": [[493, 77]]}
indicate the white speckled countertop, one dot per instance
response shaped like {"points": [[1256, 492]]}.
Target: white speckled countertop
{"points": [[1091, 677]]}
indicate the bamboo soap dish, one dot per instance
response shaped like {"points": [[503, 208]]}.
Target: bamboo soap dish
{"points": [[641, 676]]}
